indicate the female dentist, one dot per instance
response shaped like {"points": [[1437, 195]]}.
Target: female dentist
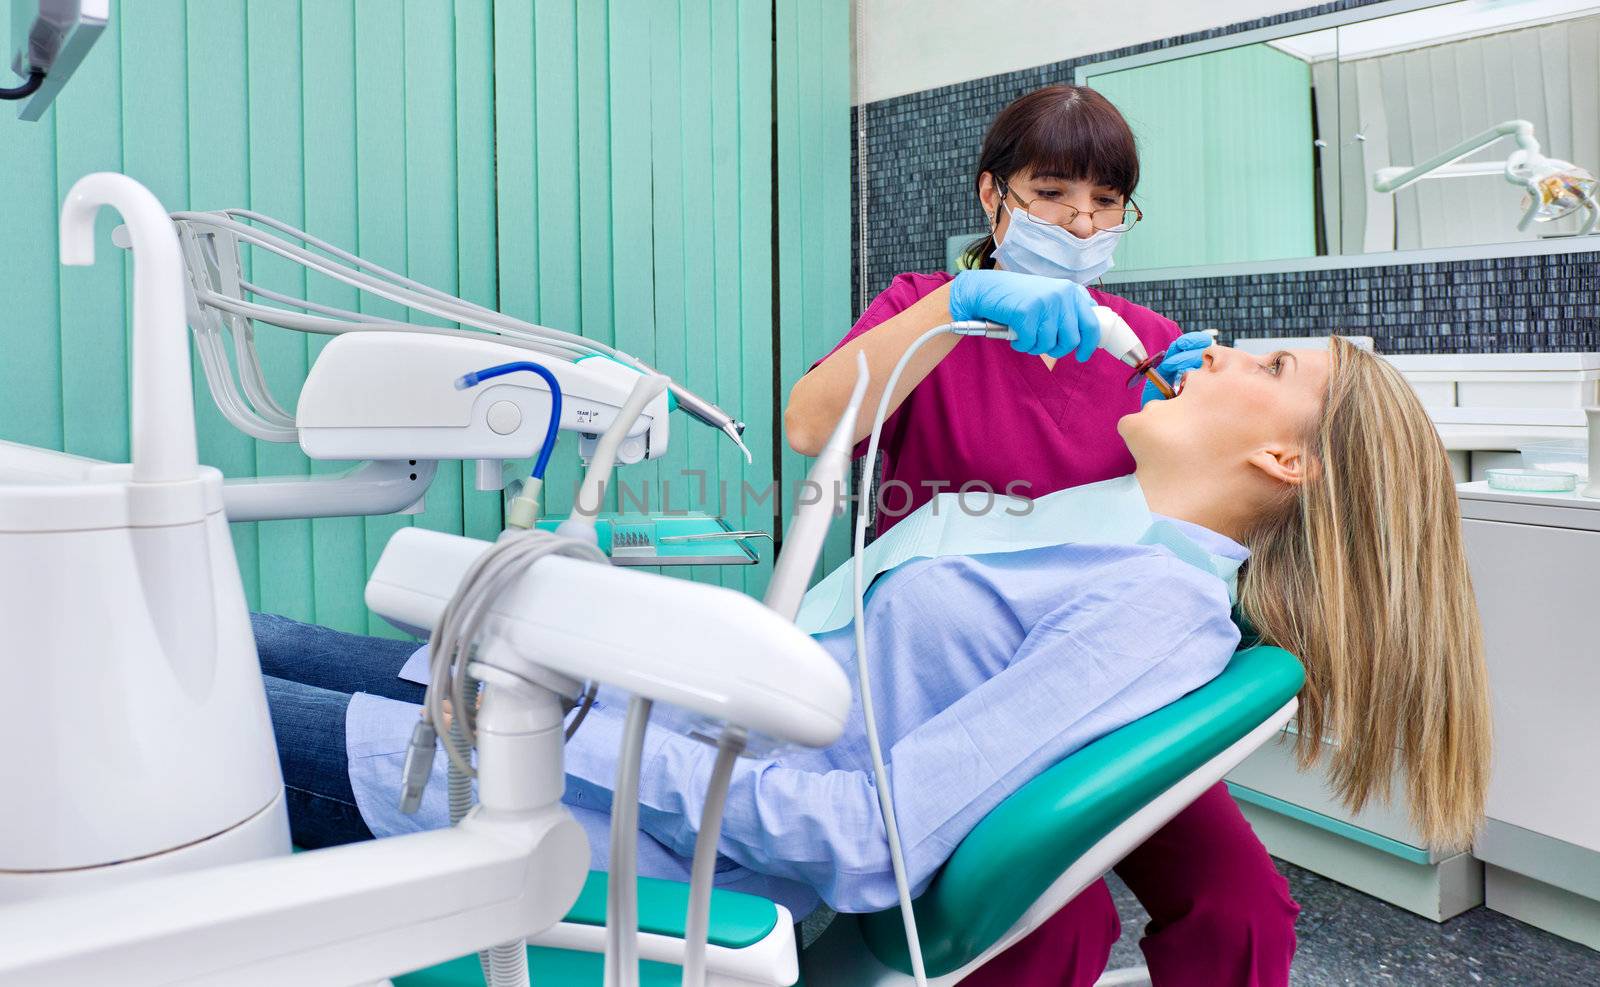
{"points": [[1056, 176]]}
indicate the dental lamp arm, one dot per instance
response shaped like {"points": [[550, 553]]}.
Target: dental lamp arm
{"points": [[1395, 179]]}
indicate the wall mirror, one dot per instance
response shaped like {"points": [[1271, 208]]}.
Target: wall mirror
{"points": [[1394, 127]]}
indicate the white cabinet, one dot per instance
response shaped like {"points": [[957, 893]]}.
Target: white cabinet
{"points": [[1535, 562]]}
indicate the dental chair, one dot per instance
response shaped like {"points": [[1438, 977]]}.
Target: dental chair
{"points": [[215, 912], [1030, 856]]}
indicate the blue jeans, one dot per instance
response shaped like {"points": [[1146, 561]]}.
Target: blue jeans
{"points": [[310, 673]]}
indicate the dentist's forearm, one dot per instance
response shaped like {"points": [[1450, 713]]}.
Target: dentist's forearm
{"points": [[819, 398]]}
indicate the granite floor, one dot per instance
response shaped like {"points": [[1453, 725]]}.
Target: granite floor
{"points": [[1349, 938]]}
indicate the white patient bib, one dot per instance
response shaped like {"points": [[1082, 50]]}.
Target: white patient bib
{"points": [[1112, 512]]}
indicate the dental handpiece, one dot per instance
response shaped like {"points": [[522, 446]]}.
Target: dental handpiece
{"points": [[1116, 338]]}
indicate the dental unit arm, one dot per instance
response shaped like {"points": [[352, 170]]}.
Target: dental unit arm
{"points": [[376, 392]]}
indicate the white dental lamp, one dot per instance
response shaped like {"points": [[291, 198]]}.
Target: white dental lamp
{"points": [[1554, 188], [50, 39]]}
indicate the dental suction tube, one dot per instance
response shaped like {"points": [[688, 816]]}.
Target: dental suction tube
{"points": [[880, 771]]}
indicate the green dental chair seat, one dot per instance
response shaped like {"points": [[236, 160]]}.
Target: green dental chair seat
{"points": [[737, 920], [1009, 860]]}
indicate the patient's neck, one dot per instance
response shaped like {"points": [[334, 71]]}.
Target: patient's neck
{"points": [[1198, 496]]}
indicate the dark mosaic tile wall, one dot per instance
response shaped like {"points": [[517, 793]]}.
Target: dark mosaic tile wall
{"points": [[1498, 305], [923, 147]]}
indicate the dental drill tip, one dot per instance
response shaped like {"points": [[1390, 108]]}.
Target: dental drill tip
{"points": [[1146, 368], [733, 434]]}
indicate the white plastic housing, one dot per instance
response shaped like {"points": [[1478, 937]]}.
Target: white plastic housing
{"points": [[377, 394], [137, 726], [138, 723], [703, 648], [1118, 338]]}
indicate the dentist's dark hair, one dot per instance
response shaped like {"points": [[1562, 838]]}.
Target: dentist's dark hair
{"points": [[1067, 132]]}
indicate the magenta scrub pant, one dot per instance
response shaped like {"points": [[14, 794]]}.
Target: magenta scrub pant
{"points": [[1220, 913]]}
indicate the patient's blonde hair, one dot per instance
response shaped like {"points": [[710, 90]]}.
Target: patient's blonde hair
{"points": [[1361, 574]]}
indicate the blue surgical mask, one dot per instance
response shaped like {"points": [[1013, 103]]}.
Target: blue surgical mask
{"points": [[1049, 250]]}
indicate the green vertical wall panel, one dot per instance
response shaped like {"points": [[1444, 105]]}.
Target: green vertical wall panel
{"points": [[668, 254], [813, 209], [277, 188], [794, 358], [94, 346], [328, 98], [753, 325], [381, 97], [633, 275], [219, 178], [555, 220], [476, 242], [430, 171], [829, 186], [600, 168], [721, 318], [30, 324], [699, 361]]}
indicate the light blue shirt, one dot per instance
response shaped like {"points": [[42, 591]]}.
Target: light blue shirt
{"points": [[986, 670]]}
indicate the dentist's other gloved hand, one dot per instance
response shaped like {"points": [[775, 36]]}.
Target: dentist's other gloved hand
{"points": [[1051, 316], [1186, 353]]}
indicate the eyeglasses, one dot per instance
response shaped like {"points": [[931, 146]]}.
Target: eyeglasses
{"points": [[1046, 212]]}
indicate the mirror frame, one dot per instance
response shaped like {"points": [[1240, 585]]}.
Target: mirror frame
{"points": [[1314, 262]]}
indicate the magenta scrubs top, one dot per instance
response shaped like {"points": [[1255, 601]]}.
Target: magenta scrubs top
{"points": [[991, 417]]}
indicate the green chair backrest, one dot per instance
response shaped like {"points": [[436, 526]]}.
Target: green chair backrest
{"points": [[1008, 861]]}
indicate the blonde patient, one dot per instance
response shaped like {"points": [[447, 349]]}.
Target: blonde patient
{"points": [[1324, 464]]}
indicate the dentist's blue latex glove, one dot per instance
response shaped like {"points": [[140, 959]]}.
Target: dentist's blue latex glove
{"points": [[1051, 316], [1186, 353]]}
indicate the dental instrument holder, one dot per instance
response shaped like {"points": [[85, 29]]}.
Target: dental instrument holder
{"points": [[221, 308]]}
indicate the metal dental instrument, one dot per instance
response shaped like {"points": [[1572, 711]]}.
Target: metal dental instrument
{"points": [[715, 536], [1116, 338]]}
